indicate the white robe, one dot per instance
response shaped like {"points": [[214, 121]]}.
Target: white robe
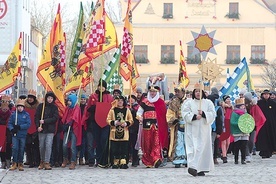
{"points": [[198, 134]]}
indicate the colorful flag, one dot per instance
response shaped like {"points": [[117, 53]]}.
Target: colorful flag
{"points": [[134, 75], [110, 40], [97, 31], [51, 69], [12, 67], [127, 46], [183, 76], [240, 79], [111, 75], [77, 44]]}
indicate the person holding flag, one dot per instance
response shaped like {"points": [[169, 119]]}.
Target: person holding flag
{"points": [[18, 124], [46, 117], [71, 125]]}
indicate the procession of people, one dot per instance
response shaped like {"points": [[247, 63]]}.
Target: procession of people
{"points": [[112, 131]]}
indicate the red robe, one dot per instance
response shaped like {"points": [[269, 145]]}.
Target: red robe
{"points": [[3, 129], [74, 114], [160, 108], [259, 118]]}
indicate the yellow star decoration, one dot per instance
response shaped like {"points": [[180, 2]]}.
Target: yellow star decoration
{"points": [[204, 43], [209, 70]]}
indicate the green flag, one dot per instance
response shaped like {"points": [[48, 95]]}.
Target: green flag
{"points": [[111, 74], [77, 44]]}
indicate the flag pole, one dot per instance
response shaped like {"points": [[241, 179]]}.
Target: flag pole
{"points": [[200, 86], [68, 131], [43, 105], [17, 97]]}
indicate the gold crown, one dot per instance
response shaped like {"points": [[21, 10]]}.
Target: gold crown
{"points": [[180, 87], [6, 98], [198, 86], [5, 102], [239, 101], [32, 92], [20, 102]]}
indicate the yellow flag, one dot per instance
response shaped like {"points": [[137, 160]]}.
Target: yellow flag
{"points": [[12, 67], [127, 46], [51, 69]]}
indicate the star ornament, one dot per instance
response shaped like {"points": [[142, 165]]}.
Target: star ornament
{"points": [[203, 42]]}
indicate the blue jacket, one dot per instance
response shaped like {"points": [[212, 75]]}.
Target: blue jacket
{"points": [[23, 120]]}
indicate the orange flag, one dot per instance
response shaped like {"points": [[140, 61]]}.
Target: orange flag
{"points": [[51, 69], [12, 67], [127, 46], [183, 76], [134, 75]]}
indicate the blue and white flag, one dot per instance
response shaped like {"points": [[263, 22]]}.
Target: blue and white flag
{"points": [[240, 79]]}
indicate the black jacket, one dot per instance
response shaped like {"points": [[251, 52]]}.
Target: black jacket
{"points": [[50, 117]]}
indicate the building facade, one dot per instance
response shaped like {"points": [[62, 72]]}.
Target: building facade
{"points": [[245, 28]]}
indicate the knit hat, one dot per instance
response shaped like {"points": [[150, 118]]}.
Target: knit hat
{"points": [[248, 96], [214, 91], [139, 90], [83, 96], [73, 98], [225, 97]]}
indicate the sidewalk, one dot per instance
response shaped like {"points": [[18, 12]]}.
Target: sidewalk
{"points": [[258, 171]]}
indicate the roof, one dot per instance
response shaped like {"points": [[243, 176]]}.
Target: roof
{"points": [[271, 4]]}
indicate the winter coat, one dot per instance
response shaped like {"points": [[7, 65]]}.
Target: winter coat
{"points": [[50, 117], [23, 120]]}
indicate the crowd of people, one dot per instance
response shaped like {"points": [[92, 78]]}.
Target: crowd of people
{"points": [[192, 129]]}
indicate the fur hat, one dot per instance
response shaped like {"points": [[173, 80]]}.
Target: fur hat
{"points": [[242, 91], [248, 95]]}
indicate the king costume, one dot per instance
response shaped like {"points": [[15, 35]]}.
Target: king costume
{"points": [[152, 114]]}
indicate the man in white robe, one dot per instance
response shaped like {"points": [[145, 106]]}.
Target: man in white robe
{"points": [[198, 115]]}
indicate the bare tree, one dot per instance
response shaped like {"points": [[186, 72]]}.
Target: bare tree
{"points": [[269, 76]]}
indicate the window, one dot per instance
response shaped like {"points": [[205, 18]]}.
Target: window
{"points": [[233, 8], [167, 54], [257, 54], [141, 53], [233, 54], [192, 59], [168, 11], [233, 11]]}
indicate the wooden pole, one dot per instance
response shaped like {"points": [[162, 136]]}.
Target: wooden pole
{"points": [[17, 97]]}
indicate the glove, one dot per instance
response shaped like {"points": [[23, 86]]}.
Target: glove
{"points": [[17, 127], [14, 131], [65, 127], [70, 123]]}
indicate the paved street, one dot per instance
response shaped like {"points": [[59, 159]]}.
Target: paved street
{"points": [[258, 171]]}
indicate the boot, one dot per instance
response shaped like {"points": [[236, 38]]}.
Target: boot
{"points": [[8, 163], [81, 161], [41, 165], [224, 159], [13, 167], [4, 165], [64, 163], [47, 166], [20, 167], [216, 161], [72, 166]]}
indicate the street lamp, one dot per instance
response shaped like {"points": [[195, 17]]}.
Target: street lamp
{"points": [[24, 64]]}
